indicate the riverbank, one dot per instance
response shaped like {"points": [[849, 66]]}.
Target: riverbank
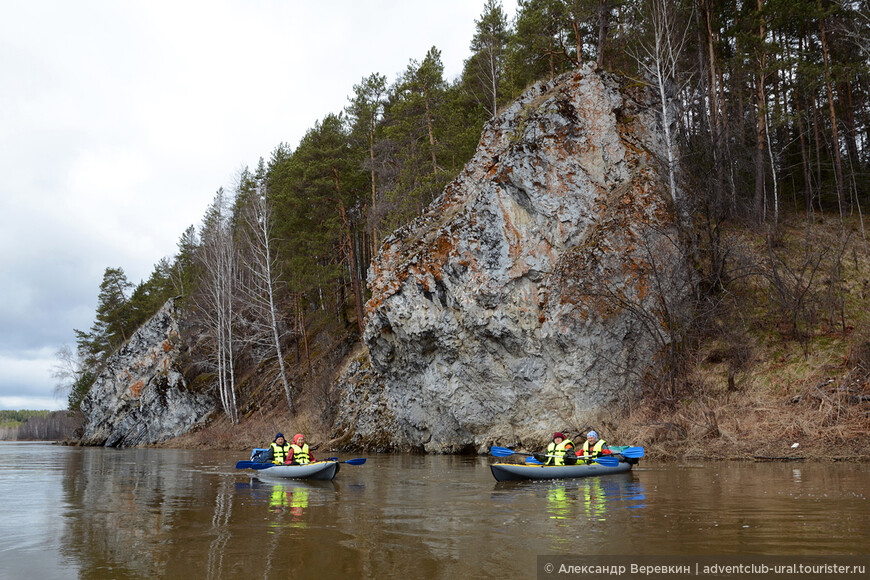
{"points": [[780, 369], [735, 426]]}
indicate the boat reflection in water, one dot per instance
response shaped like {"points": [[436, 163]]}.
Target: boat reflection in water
{"points": [[577, 506], [593, 497], [284, 497]]}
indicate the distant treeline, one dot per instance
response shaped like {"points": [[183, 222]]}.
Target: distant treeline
{"points": [[38, 425], [16, 418]]}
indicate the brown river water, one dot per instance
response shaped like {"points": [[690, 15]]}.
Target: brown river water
{"points": [[69, 512]]}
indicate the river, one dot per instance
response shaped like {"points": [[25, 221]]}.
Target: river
{"points": [[97, 513]]}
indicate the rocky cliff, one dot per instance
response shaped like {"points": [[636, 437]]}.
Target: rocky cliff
{"points": [[536, 290], [141, 397]]}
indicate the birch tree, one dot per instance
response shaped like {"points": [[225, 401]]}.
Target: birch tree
{"points": [[263, 266], [218, 262], [658, 59]]}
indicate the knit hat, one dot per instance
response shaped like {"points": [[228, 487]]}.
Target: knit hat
{"points": [[592, 434], [297, 437], [281, 435], [559, 435]]}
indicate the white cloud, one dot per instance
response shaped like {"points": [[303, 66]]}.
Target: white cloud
{"points": [[34, 370], [32, 403]]}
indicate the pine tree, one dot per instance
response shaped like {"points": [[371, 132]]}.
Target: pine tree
{"points": [[485, 68], [365, 111]]}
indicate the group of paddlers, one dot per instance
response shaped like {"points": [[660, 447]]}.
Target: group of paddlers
{"points": [[282, 453], [561, 450]]}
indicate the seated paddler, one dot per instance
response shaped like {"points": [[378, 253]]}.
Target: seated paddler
{"points": [[280, 449], [300, 455], [593, 446], [560, 451]]}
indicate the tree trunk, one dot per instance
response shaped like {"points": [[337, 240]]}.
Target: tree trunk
{"points": [[578, 43], [603, 26], [493, 74], [348, 244], [849, 133], [374, 189], [760, 125], [838, 167], [818, 143], [429, 128], [304, 336], [805, 162]]}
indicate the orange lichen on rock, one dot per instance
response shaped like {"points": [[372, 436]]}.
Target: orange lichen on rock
{"points": [[136, 388]]}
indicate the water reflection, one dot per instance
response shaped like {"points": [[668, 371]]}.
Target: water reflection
{"points": [[590, 498], [102, 513], [220, 529], [123, 504]]}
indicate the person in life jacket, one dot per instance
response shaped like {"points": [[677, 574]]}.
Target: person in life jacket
{"points": [[301, 455], [280, 449], [559, 450], [593, 446]]}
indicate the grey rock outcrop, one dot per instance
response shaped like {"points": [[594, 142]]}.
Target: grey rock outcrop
{"points": [[536, 290], [141, 396]]}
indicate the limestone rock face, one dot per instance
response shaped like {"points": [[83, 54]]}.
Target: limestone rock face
{"points": [[141, 397], [536, 290]]}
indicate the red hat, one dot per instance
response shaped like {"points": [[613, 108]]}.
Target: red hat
{"points": [[558, 434], [296, 438]]}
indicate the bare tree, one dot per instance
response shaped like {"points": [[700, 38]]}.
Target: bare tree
{"points": [[658, 59], [218, 259], [66, 370], [263, 267]]}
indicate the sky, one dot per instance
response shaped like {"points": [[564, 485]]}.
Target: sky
{"points": [[120, 120]]}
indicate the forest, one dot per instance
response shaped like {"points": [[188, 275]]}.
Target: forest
{"points": [[25, 425], [766, 113]]}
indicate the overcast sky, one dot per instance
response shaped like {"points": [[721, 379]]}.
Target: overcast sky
{"points": [[120, 120]]}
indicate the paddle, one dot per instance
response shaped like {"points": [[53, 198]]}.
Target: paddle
{"points": [[358, 461], [505, 452], [633, 452], [255, 465]]}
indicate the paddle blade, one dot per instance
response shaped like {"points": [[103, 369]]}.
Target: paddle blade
{"points": [[500, 451], [607, 461], [533, 461], [633, 452], [253, 465], [359, 461]]}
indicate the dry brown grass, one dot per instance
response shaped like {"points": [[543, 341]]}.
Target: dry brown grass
{"points": [[258, 429], [811, 388]]}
